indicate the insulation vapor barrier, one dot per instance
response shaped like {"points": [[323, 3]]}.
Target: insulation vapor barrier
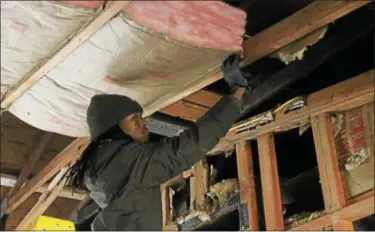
{"points": [[146, 58]]}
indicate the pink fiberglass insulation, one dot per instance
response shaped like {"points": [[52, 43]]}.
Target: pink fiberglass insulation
{"points": [[209, 24]]}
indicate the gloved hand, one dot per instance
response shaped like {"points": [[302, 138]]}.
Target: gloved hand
{"points": [[233, 75]]}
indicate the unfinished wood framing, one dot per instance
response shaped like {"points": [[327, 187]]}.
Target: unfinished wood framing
{"points": [[36, 153], [301, 23], [200, 182], [165, 204], [70, 45], [270, 183], [348, 94], [343, 225], [353, 212], [66, 157], [304, 21], [45, 200], [329, 171], [247, 184], [9, 181]]}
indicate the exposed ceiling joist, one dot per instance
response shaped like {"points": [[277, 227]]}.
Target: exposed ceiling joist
{"points": [[33, 158], [70, 45], [68, 156], [301, 23], [319, 14], [10, 181]]}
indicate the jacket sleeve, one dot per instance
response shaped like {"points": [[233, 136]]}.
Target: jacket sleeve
{"points": [[174, 155]]}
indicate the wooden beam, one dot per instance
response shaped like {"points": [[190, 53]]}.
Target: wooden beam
{"points": [[345, 95], [9, 181], [201, 182], [204, 98], [329, 171], [270, 183], [302, 22], [356, 211], [67, 48], [33, 158], [165, 204], [310, 18], [185, 110], [45, 200], [66, 157], [179, 178], [247, 184], [343, 225]]}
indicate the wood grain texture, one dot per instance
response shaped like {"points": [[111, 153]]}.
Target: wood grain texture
{"points": [[246, 182], [329, 171], [270, 183]]}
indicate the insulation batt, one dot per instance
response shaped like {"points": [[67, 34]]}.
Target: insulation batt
{"points": [[150, 52], [210, 24]]}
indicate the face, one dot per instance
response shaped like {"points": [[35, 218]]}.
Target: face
{"points": [[135, 126]]}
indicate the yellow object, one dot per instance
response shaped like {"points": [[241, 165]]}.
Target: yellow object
{"points": [[44, 223]]}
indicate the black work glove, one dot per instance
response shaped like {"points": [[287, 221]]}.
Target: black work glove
{"points": [[233, 75]]}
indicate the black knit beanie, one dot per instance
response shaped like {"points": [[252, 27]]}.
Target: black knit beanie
{"points": [[106, 110]]}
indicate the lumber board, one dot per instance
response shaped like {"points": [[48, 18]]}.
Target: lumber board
{"points": [[165, 204], [343, 225], [345, 95], [68, 47], [44, 201], [201, 184], [270, 183], [36, 153], [185, 110], [353, 212], [179, 178], [328, 163], [247, 184], [304, 21], [66, 157], [204, 98], [8, 180]]}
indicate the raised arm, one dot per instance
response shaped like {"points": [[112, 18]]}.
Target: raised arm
{"points": [[174, 155]]}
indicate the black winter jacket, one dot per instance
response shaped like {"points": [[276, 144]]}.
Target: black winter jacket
{"points": [[129, 174]]}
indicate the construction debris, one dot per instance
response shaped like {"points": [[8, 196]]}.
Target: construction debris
{"points": [[295, 51], [224, 190], [356, 160], [304, 217]]}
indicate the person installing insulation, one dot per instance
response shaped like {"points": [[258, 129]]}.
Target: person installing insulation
{"points": [[123, 170]]}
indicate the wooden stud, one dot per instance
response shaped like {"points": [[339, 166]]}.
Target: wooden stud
{"points": [[314, 16], [270, 183], [343, 225], [348, 94], [45, 200], [36, 153], [301, 23], [165, 204], [201, 183], [356, 211], [66, 157], [179, 178], [65, 193], [330, 176], [70, 45], [246, 183]]}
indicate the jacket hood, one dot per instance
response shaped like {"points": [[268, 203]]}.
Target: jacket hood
{"points": [[106, 110]]}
